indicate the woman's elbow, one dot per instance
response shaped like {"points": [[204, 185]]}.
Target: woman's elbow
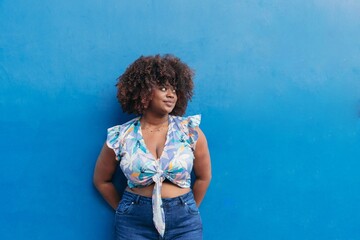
{"points": [[205, 178], [208, 178], [96, 181]]}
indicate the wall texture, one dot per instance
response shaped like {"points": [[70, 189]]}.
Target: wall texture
{"points": [[277, 83]]}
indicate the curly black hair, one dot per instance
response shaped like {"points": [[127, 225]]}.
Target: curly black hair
{"points": [[136, 83]]}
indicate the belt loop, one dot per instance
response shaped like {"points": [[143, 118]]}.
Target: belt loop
{"points": [[182, 200], [137, 199]]}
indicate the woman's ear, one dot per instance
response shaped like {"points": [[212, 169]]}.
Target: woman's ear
{"points": [[151, 93], [146, 102]]}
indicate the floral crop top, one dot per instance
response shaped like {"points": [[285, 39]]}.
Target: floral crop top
{"points": [[141, 168]]}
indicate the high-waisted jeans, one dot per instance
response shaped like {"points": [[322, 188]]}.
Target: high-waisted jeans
{"points": [[133, 218]]}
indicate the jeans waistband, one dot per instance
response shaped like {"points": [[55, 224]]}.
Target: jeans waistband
{"points": [[136, 198]]}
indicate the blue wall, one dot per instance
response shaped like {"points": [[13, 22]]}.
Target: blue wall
{"points": [[277, 83]]}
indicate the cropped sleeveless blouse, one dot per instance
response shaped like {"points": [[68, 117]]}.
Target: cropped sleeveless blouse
{"points": [[141, 168]]}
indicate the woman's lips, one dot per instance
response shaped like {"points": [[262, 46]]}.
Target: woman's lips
{"points": [[169, 103]]}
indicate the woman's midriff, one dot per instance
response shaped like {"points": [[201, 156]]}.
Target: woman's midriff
{"points": [[168, 190]]}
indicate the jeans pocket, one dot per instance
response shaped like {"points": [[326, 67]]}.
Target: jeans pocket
{"points": [[124, 207], [191, 207]]}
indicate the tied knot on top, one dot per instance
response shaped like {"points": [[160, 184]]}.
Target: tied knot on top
{"points": [[159, 176]]}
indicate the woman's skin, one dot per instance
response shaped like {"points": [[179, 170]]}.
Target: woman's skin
{"points": [[154, 129]]}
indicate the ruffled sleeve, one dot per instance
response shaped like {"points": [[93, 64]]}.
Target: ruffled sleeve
{"points": [[193, 122], [113, 140]]}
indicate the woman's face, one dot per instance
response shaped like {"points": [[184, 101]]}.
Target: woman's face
{"points": [[163, 99]]}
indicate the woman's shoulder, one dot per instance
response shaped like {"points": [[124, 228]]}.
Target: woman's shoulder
{"points": [[189, 121], [124, 126]]}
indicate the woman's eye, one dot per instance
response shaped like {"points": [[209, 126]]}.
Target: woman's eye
{"points": [[164, 89]]}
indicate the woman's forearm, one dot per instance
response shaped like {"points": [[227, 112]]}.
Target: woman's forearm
{"points": [[199, 189], [109, 193]]}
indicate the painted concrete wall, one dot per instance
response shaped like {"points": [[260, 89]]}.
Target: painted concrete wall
{"points": [[277, 83]]}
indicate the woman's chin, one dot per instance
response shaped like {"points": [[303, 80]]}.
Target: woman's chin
{"points": [[169, 110]]}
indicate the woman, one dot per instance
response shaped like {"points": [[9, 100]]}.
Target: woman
{"points": [[156, 151]]}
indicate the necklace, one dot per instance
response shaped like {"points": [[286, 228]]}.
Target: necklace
{"points": [[153, 130], [158, 128]]}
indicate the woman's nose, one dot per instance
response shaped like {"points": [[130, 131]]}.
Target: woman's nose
{"points": [[170, 93]]}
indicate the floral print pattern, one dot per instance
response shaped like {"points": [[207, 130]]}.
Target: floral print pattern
{"points": [[141, 168]]}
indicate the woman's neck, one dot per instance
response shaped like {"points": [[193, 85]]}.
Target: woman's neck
{"points": [[152, 119]]}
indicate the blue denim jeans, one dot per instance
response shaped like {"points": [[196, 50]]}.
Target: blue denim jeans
{"points": [[133, 218]]}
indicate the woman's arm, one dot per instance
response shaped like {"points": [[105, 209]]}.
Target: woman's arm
{"points": [[202, 168], [104, 171]]}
